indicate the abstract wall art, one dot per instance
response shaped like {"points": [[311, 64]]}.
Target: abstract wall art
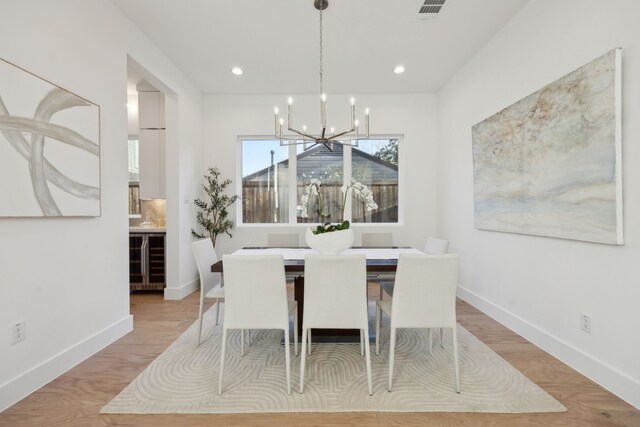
{"points": [[49, 148], [550, 164]]}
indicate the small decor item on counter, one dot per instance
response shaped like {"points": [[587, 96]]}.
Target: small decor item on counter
{"points": [[327, 238], [147, 223], [213, 214], [154, 212]]}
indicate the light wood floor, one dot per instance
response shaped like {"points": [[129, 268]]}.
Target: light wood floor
{"points": [[75, 398]]}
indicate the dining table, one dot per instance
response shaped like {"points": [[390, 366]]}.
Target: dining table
{"points": [[379, 260]]}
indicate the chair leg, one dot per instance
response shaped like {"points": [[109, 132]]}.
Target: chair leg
{"points": [[222, 356], [378, 313], [217, 310], [367, 352], [309, 339], [295, 331], [456, 368], [441, 338], [287, 357], [303, 358], [200, 318], [248, 337], [430, 341], [361, 342], [392, 350], [381, 290]]}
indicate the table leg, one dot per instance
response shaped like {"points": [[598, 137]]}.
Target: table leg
{"points": [[298, 295]]}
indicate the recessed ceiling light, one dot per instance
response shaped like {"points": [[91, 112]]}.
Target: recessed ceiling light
{"points": [[399, 69], [237, 71]]}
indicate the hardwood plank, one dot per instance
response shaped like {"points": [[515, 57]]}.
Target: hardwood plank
{"points": [[76, 398]]}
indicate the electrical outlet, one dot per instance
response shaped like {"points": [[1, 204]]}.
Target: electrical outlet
{"points": [[585, 323], [19, 332]]}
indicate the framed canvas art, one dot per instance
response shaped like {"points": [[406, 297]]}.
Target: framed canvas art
{"points": [[550, 164], [49, 148]]}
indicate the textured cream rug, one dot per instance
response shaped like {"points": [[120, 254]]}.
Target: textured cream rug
{"points": [[183, 379]]}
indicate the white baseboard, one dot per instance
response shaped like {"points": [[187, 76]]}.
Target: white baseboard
{"points": [[26, 383], [605, 375], [182, 291]]}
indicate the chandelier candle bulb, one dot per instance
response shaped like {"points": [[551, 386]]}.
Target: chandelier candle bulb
{"points": [[323, 110], [353, 112], [366, 121], [281, 123], [275, 110], [289, 110]]}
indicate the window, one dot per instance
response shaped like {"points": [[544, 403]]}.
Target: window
{"points": [[375, 164], [134, 159], [270, 172], [265, 182]]}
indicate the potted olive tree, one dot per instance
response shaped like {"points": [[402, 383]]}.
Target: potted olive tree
{"points": [[213, 211]]}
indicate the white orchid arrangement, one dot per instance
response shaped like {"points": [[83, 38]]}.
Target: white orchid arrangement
{"points": [[313, 189]]}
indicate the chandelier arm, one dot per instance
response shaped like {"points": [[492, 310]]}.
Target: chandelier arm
{"points": [[337, 135], [286, 142], [302, 134]]}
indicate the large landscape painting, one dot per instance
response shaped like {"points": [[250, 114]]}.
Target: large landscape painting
{"points": [[49, 148], [550, 164]]}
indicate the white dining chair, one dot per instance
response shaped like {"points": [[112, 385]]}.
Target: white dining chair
{"points": [[434, 246], [335, 297], [256, 298], [383, 240], [210, 283], [424, 297], [380, 240], [283, 240]]}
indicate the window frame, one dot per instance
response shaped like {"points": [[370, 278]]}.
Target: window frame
{"points": [[292, 185]]}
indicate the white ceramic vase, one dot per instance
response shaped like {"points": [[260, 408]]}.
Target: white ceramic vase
{"points": [[331, 243]]}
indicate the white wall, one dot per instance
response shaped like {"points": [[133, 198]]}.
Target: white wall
{"points": [[539, 286], [68, 277], [414, 116]]}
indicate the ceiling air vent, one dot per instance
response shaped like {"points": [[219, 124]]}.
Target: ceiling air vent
{"points": [[430, 8]]}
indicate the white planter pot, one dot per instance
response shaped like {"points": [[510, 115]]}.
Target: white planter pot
{"points": [[330, 243]]}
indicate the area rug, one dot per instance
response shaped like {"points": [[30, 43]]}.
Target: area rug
{"points": [[184, 378]]}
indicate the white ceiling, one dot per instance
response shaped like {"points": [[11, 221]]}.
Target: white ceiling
{"points": [[276, 42]]}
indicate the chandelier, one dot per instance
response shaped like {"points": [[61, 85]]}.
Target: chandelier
{"points": [[326, 137]]}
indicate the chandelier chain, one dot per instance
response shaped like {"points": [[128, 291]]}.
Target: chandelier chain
{"points": [[321, 86]]}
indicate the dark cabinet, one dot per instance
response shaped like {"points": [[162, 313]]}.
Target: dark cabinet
{"points": [[147, 261]]}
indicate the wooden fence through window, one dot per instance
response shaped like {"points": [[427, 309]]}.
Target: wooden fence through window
{"points": [[259, 204]]}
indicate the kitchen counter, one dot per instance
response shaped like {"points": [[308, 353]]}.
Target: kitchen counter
{"points": [[147, 230]]}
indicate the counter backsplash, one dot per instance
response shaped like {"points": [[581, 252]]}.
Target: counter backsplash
{"points": [[151, 210]]}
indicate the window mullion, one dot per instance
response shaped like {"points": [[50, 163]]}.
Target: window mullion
{"points": [[347, 180], [293, 185]]}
